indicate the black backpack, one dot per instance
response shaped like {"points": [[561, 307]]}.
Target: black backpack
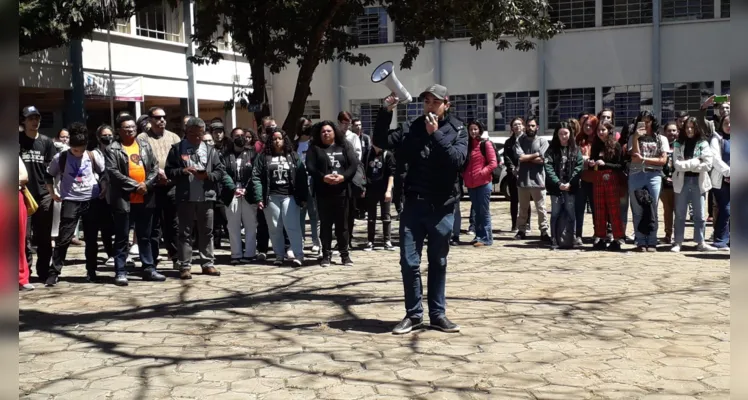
{"points": [[496, 173]]}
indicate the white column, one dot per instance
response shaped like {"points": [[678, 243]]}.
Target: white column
{"points": [[489, 110], [138, 109], [391, 30], [599, 12], [717, 9], [133, 24], [192, 104], [598, 99]]}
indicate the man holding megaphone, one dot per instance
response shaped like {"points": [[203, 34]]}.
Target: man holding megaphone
{"points": [[435, 149]]}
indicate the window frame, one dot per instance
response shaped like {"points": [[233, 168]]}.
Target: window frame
{"points": [[573, 7], [382, 28], [705, 89], [309, 110], [172, 23], [502, 118], [623, 13], [687, 12], [477, 100], [645, 95], [588, 104]]}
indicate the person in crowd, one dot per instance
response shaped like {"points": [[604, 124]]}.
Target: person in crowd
{"points": [[268, 125], [62, 140], [720, 146], [78, 170], [648, 151], [711, 129], [680, 118], [380, 179], [36, 151], [303, 143], [626, 160], [358, 128], [667, 195], [531, 149], [219, 134], [331, 162], [280, 188], [584, 198], [62, 143], [563, 169], [165, 223], [97, 143], [241, 211], [605, 162], [196, 169], [220, 220], [132, 171], [144, 123], [344, 120], [605, 115], [435, 149], [23, 265], [511, 161], [478, 176], [692, 162]]}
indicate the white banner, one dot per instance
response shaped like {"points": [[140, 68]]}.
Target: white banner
{"points": [[126, 88]]}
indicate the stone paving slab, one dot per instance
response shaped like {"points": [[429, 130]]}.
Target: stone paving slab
{"points": [[536, 324]]}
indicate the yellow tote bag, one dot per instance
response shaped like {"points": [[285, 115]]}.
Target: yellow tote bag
{"points": [[31, 205]]}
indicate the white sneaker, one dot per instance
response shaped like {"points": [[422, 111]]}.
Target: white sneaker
{"points": [[675, 248], [705, 247], [369, 246], [134, 250], [290, 255], [129, 262], [109, 262], [315, 249]]}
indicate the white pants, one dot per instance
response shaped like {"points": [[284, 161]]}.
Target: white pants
{"points": [[242, 214]]}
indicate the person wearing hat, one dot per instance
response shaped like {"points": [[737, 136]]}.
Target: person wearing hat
{"points": [[37, 151], [220, 219], [435, 150]]}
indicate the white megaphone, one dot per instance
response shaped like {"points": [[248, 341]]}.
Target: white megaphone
{"points": [[385, 74]]}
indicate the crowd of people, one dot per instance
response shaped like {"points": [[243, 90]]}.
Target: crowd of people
{"points": [[190, 191]]}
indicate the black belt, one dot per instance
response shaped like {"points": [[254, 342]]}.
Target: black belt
{"points": [[652, 170]]}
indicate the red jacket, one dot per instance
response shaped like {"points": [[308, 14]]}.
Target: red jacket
{"points": [[479, 168]]}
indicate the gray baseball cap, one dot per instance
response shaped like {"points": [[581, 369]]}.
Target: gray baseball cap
{"points": [[29, 111], [439, 91]]}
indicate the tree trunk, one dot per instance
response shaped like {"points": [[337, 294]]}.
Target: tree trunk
{"points": [[258, 90], [306, 72]]}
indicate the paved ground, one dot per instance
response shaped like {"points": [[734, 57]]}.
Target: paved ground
{"points": [[536, 325]]}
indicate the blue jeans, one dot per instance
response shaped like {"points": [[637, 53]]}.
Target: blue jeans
{"points": [[653, 182], [690, 194], [567, 203], [583, 197], [281, 214], [419, 220], [722, 225], [480, 198], [143, 219]]}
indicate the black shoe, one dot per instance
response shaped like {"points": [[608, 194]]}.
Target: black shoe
{"points": [[444, 325], [153, 276], [554, 245], [520, 236], [454, 242], [51, 280], [91, 277], [407, 325], [545, 237], [578, 242], [347, 261], [615, 246], [325, 261], [600, 245]]}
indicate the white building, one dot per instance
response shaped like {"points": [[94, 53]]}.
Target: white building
{"points": [[603, 59], [149, 63]]}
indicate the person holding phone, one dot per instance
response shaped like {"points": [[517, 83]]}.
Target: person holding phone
{"points": [[649, 151], [196, 169]]}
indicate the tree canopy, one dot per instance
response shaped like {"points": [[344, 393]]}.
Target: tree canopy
{"points": [[273, 33]]}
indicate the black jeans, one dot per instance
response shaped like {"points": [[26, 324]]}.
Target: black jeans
{"points": [[143, 219], [583, 197], [263, 235], [397, 192], [104, 223], [352, 212], [219, 222], [41, 227], [374, 199], [333, 210], [511, 184], [71, 213], [165, 223]]}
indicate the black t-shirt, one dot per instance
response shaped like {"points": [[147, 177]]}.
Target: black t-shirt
{"points": [[279, 176], [336, 155], [36, 155], [562, 176], [378, 170], [690, 147]]}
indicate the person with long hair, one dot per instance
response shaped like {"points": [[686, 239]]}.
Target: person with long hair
{"points": [[720, 145], [563, 168], [605, 163], [648, 150], [332, 163], [692, 161], [584, 198], [478, 176], [667, 195], [280, 188], [511, 162]]}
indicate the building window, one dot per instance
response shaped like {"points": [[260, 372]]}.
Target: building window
{"points": [[123, 26], [627, 101], [627, 12], [680, 10], [366, 111], [684, 97], [507, 106], [159, 22], [574, 14], [725, 86], [459, 30], [725, 6], [468, 107], [371, 27], [47, 120], [311, 110], [568, 103], [406, 113]]}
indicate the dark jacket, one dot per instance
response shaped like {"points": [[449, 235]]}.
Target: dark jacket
{"points": [[260, 178], [434, 161], [614, 163], [388, 168], [318, 166], [243, 176], [118, 176], [511, 159], [174, 170], [572, 170]]}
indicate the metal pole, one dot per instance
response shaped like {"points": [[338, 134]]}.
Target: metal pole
{"points": [[111, 81], [656, 77]]}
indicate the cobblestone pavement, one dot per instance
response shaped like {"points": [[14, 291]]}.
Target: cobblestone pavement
{"points": [[536, 324]]}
